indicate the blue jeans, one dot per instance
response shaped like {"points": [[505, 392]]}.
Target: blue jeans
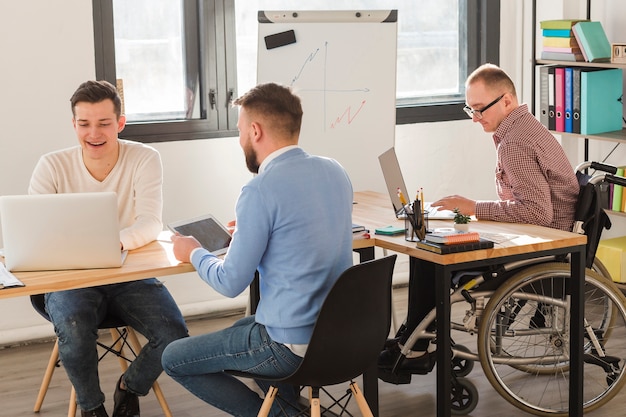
{"points": [[145, 305], [198, 362]]}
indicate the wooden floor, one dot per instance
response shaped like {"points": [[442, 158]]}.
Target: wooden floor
{"points": [[21, 370]]}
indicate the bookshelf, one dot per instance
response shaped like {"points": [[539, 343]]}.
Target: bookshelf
{"points": [[618, 136]]}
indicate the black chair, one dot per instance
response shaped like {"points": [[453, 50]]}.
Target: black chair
{"points": [[350, 331], [123, 337]]}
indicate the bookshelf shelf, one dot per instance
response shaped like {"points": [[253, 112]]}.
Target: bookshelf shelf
{"points": [[616, 136], [581, 64]]}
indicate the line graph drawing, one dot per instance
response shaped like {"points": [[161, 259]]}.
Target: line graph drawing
{"points": [[306, 71]]}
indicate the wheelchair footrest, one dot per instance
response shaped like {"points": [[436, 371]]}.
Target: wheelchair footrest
{"points": [[397, 379]]}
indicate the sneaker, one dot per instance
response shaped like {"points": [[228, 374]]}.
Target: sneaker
{"points": [[98, 412], [126, 403]]}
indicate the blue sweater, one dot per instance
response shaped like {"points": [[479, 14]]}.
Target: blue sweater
{"points": [[294, 224]]}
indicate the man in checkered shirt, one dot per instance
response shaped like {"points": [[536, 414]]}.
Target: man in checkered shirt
{"points": [[534, 180]]}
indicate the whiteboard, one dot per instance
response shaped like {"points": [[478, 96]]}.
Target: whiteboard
{"points": [[342, 64]]}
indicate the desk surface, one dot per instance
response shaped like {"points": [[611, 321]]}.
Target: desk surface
{"points": [[371, 210], [374, 210], [156, 259]]}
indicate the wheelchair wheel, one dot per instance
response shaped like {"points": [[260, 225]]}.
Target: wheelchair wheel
{"points": [[523, 340], [462, 367], [464, 397]]}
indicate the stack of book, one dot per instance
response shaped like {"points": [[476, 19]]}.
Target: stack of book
{"points": [[444, 242], [559, 41], [359, 232]]}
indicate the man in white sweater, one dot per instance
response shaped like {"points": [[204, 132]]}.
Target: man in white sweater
{"points": [[102, 162]]}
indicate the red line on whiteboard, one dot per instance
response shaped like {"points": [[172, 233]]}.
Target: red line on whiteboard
{"points": [[347, 114]]}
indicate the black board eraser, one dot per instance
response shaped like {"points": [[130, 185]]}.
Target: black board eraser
{"points": [[280, 39]]}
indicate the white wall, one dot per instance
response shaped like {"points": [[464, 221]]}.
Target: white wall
{"points": [[47, 50]]}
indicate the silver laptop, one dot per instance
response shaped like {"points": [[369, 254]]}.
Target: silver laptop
{"points": [[60, 231], [394, 180]]}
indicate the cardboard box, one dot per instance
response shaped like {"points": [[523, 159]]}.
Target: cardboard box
{"points": [[612, 253]]}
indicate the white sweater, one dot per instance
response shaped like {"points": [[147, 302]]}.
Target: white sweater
{"points": [[137, 178]]}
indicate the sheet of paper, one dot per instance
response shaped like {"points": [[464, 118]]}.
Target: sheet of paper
{"points": [[7, 279]]}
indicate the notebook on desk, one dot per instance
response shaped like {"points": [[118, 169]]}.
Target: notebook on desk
{"points": [[60, 231], [394, 180]]}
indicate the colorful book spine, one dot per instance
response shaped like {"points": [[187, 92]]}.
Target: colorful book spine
{"points": [[618, 192], [453, 238], [559, 98], [563, 50], [543, 95], [569, 102], [551, 118], [569, 42], [557, 33], [562, 56], [461, 247], [559, 23], [576, 100]]}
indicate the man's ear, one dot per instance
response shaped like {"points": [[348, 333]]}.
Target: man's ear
{"points": [[121, 123], [257, 131]]}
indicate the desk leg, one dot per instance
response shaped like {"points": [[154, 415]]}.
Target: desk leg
{"points": [[444, 348], [576, 332], [365, 254]]}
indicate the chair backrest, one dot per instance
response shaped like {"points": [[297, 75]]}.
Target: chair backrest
{"points": [[39, 305], [352, 326]]}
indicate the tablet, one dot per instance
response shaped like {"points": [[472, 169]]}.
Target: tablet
{"points": [[211, 234]]}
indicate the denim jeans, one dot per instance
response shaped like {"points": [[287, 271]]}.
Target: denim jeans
{"points": [[145, 305], [198, 362]]}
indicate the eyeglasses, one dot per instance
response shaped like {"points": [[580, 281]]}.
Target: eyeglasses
{"points": [[479, 113]]}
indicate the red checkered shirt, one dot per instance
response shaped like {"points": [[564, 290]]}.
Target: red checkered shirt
{"points": [[535, 182]]}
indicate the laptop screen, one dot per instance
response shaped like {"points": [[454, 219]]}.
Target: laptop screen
{"points": [[394, 179], [60, 231]]}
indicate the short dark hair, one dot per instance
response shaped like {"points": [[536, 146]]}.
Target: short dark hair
{"points": [[275, 102], [492, 77], [95, 92]]}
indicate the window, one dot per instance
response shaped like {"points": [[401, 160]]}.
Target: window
{"points": [[174, 61], [180, 62]]}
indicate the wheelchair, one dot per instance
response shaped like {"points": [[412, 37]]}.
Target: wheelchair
{"points": [[519, 313]]}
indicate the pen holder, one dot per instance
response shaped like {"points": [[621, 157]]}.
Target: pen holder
{"points": [[415, 226]]}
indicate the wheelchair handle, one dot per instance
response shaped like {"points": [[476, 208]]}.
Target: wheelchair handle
{"points": [[598, 166], [614, 179]]}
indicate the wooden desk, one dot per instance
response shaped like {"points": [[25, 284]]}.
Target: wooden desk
{"points": [[153, 260], [374, 210]]}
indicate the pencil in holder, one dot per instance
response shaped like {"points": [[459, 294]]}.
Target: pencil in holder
{"points": [[415, 224]]}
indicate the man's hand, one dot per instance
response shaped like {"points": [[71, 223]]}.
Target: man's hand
{"points": [[183, 246], [465, 205], [231, 226]]}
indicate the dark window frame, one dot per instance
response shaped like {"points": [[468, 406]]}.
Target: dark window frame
{"points": [[218, 68], [483, 45]]}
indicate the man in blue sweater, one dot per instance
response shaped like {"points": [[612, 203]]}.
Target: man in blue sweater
{"points": [[293, 225]]}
